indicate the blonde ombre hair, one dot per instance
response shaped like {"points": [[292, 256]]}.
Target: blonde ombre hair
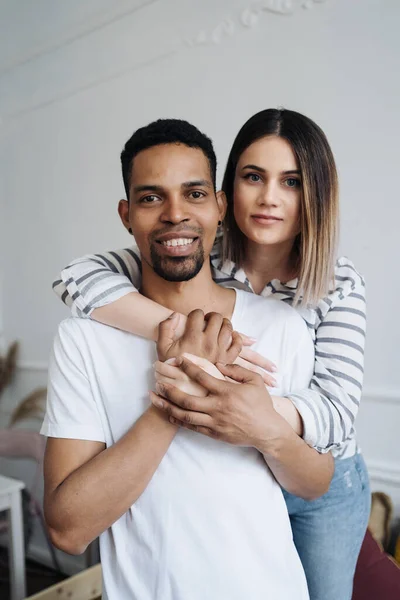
{"points": [[315, 246]]}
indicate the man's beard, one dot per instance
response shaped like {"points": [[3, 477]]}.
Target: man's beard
{"points": [[177, 268]]}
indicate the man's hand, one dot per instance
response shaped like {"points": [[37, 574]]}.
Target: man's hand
{"points": [[244, 415], [238, 414], [209, 336], [198, 335]]}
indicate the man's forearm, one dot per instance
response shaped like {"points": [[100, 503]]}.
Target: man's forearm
{"points": [[99, 492], [299, 469]]}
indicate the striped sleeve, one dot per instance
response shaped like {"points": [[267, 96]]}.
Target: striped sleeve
{"points": [[329, 406], [98, 279]]}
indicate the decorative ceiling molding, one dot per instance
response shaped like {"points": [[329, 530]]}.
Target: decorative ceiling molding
{"points": [[249, 18]]}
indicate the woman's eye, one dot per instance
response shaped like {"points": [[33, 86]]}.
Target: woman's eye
{"points": [[253, 177], [292, 182]]}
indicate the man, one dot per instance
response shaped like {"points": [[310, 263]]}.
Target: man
{"points": [[181, 516]]}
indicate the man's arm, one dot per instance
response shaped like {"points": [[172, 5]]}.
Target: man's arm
{"points": [[244, 415], [88, 487]]}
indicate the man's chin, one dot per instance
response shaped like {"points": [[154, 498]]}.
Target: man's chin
{"points": [[179, 268]]}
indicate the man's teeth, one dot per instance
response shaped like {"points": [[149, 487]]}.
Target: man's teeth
{"points": [[178, 242]]}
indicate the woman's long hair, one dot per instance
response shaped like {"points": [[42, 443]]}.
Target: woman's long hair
{"points": [[315, 246]]}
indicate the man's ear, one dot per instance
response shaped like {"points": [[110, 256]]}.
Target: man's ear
{"points": [[222, 204], [123, 211]]}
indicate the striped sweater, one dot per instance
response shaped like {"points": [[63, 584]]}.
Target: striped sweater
{"points": [[337, 326]]}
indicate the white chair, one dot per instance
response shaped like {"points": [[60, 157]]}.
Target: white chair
{"points": [[22, 443], [10, 500]]}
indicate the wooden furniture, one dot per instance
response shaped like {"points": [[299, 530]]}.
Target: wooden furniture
{"points": [[84, 586], [10, 500]]}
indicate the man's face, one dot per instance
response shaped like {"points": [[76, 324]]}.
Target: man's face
{"points": [[173, 210]]}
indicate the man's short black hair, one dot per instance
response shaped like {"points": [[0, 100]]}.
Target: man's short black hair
{"points": [[166, 131]]}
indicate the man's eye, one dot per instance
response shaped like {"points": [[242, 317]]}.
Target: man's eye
{"points": [[292, 182], [149, 199], [197, 195]]}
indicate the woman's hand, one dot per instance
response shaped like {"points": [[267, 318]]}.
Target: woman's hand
{"points": [[211, 337], [169, 373], [238, 414], [253, 361]]}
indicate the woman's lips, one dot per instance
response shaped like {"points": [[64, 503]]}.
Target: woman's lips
{"points": [[266, 219]]}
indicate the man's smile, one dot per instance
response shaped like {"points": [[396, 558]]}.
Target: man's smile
{"points": [[177, 243], [181, 246]]}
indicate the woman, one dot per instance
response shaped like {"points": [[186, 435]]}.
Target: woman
{"points": [[279, 240]]}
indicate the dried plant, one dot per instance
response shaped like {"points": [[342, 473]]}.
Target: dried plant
{"points": [[31, 407], [7, 366]]}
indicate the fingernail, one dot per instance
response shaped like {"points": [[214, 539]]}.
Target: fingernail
{"points": [[159, 388], [274, 368], [274, 383], [156, 401], [251, 339], [171, 361], [171, 316], [172, 420]]}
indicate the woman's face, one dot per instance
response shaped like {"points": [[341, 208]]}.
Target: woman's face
{"points": [[267, 192]]}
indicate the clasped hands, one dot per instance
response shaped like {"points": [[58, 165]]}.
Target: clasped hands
{"points": [[199, 387]]}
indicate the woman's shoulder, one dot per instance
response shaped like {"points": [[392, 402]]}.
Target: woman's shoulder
{"points": [[346, 295], [347, 291], [348, 280]]}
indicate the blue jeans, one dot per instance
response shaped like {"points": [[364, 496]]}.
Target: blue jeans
{"points": [[328, 532]]}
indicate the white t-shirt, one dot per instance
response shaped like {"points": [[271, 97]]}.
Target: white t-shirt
{"points": [[212, 524]]}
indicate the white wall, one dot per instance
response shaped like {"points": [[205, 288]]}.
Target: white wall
{"points": [[77, 78]]}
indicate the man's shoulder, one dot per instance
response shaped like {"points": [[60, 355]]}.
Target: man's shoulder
{"points": [[72, 326], [84, 331], [86, 341]]}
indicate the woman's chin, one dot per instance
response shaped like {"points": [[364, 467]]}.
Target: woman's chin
{"points": [[265, 239]]}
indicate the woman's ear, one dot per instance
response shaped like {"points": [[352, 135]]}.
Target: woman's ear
{"points": [[123, 211], [222, 204]]}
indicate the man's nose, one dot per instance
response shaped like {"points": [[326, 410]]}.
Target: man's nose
{"points": [[175, 211]]}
